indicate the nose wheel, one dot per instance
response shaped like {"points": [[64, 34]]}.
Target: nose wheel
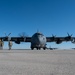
{"points": [[38, 48]]}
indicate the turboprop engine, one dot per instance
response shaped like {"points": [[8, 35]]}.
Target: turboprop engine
{"points": [[58, 41], [17, 42]]}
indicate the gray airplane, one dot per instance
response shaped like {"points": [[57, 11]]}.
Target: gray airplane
{"points": [[38, 40]]}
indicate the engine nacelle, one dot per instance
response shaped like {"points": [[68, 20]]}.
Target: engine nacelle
{"points": [[18, 42], [58, 41]]}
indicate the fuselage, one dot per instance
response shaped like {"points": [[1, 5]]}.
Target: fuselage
{"points": [[38, 41]]}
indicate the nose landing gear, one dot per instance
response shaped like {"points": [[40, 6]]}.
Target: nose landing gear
{"points": [[38, 48]]}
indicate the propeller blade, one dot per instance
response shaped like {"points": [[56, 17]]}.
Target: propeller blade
{"points": [[53, 35], [68, 34], [23, 34], [71, 34], [9, 34]]}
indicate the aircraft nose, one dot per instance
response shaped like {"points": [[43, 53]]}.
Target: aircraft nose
{"points": [[39, 39]]}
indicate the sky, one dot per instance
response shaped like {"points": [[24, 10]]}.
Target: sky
{"points": [[48, 16]]}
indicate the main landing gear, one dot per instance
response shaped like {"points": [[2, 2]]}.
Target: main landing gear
{"points": [[38, 48]]}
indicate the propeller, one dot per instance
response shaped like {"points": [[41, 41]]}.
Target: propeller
{"points": [[9, 40], [23, 35], [7, 36], [68, 37], [53, 37], [69, 34]]}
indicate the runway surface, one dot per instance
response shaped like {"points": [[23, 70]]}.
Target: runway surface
{"points": [[37, 62]]}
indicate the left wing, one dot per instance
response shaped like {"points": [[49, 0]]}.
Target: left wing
{"points": [[16, 39]]}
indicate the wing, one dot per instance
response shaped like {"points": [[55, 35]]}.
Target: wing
{"points": [[21, 39], [59, 40], [53, 39], [16, 39]]}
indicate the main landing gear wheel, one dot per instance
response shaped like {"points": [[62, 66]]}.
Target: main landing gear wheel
{"points": [[38, 48], [44, 48]]}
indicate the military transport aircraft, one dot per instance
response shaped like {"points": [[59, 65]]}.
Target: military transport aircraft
{"points": [[38, 40]]}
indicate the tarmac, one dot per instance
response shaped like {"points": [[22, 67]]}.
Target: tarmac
{"points": [[37, 62]]}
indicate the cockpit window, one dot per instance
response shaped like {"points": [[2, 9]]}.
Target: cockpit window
{"points": [[36, 34], [39, 34]]}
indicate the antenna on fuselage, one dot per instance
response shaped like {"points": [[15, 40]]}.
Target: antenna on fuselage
{"points": [[37, 31]]}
